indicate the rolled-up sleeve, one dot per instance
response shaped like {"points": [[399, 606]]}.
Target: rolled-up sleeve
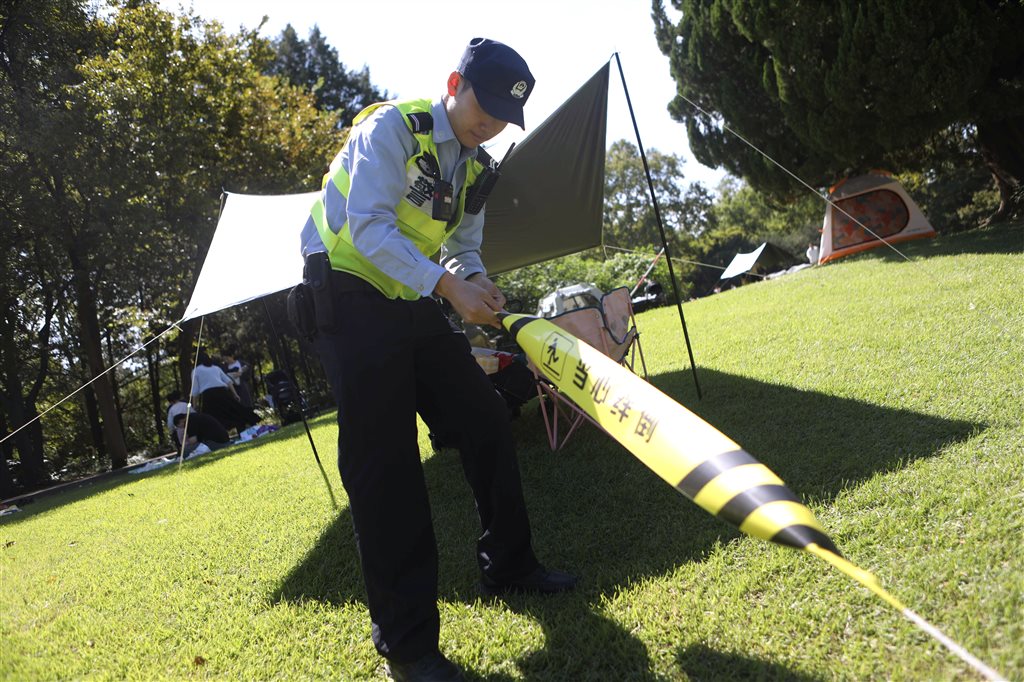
{"points": [[378, 151]]}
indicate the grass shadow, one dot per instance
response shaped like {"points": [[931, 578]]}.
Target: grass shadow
{"points": [[818, 444], [598, 512], [703, 663]]}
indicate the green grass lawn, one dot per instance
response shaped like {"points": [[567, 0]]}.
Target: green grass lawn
{"points": [[887, 394]]}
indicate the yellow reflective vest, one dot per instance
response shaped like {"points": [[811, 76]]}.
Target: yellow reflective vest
{"points": [[414, 210]]}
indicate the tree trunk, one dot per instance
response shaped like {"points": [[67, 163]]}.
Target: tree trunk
{"points": [[118, 405], [88, 320], [153, 370], [19, 403], [92, 414], [1002, 147], [28, 441], [186, 356], [6, 452]]}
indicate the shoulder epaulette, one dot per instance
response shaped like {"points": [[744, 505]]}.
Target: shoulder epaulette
{"points": [[421, 122]]}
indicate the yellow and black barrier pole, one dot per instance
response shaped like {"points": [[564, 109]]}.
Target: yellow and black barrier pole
{"points": [[691, 455]]}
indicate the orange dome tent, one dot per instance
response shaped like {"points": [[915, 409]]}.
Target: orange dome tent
{"points": [[875, 201]]}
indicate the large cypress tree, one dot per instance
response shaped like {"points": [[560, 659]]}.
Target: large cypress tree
{"points": [[828, 89]]}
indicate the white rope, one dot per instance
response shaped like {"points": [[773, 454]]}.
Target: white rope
{"points": [[112, 367], [798, 179], [979, 666], [683, 260], [965, 655], [987, 313]]}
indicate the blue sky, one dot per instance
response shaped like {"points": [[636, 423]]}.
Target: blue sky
{"points": [[563, 41]]}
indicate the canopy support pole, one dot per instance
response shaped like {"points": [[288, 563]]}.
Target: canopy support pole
{"points": [[661, 227], [302, 401]]}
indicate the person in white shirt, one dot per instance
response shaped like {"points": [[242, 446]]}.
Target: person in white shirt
{"points": [[218, 396], [236, 370], [176, 406], [812, 253]]}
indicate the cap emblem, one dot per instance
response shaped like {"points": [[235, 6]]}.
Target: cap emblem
{"points": [[519, 89]]}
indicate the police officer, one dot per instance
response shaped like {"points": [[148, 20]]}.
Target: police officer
{"points": [[408, 182]]}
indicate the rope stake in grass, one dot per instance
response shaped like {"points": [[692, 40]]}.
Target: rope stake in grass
{"points": [[689, 454]]}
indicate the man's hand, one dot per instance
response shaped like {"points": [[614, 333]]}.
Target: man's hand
{"points": [[481, 280], [473, 302]]}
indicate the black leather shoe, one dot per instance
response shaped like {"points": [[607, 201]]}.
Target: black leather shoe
{"points": [[430, 668], [538, 581]]}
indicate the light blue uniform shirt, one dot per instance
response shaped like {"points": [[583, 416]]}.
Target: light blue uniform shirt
{"points": [[375, 156]]}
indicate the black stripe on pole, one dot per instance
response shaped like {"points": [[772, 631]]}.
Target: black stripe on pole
{"points": [[736, 510], [661, 228], [694, 481], [800, 536], [519, 324]]}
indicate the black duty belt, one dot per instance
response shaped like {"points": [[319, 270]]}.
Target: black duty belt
{"points": [[344, 281]]}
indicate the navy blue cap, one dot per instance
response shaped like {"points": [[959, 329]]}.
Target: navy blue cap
{"points": [[501, 80]]}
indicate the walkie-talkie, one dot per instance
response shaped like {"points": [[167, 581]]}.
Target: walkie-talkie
{"points": [[485, 182]]}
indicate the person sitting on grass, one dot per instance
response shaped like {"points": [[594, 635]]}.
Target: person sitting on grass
{"points": [[202, 429], [175, 406]]}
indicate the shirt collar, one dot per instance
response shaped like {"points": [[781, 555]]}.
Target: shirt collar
{"points": [[442, 126], [443, 131]]}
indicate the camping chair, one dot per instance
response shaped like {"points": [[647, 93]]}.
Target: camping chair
{"points": [[610, 327]]}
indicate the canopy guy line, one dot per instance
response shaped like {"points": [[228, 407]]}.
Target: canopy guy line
{"points": [[997, 322], [798, 179], [871, 583], [839, 563], [112, 367], [682, 260], [691, 455]]}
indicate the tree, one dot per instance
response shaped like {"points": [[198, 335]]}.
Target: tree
{"points": [[116, 146], [842, 87], [629, 218], [313, 64], [186, 108], [40, 128], [742, 219], [25, 359]]}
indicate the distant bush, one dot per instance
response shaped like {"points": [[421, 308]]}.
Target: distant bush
{"points": [[531, 283]]}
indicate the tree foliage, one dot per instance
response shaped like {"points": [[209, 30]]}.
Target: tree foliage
{"points": [[120, 128], [313, 64], [526, 286], [629, 216], [834, 88]]}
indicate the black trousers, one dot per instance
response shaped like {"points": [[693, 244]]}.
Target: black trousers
{"points": [[220, 404], [386, 360]]}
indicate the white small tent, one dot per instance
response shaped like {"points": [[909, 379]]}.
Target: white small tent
{"points": [[765, 259], [875, 201]]}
